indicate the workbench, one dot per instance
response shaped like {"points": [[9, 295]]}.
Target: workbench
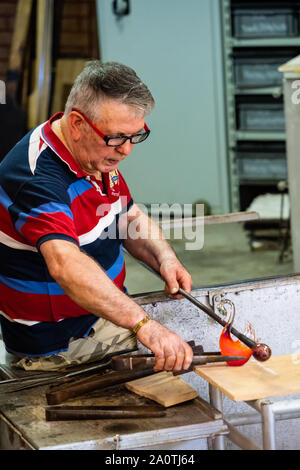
{"points": [[23, 424], [270, 305]]}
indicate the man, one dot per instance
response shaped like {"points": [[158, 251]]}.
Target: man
{"points": [[61, 194]]}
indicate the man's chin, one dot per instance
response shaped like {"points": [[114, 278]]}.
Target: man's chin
{"points": [[111, 166]]}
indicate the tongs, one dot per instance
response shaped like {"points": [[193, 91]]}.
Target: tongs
{"points": [[147, 361]]}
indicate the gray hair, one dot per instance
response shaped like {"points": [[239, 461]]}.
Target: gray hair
{"points": [[99, 81]]}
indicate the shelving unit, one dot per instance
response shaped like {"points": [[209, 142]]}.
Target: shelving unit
{"points": [[255, 110]]}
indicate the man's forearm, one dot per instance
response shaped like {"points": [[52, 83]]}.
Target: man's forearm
{"points": [[145, 240], [84, 281]]}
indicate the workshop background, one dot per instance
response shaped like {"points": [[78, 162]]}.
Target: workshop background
{"points": [[224, 133], [218, 131]]}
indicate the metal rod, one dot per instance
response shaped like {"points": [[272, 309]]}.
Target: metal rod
{"points": [[249, 342], [205, 309], [268, 425], [216, 400], [255, 418], [239, 439]]}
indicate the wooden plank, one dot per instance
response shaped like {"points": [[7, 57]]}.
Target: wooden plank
{"points": [[18, 43], [232, 217], [279, 376], [164, 388], [66, 72], [39, 99]]}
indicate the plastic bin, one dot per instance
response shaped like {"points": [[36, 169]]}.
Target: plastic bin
{"points": [[251, 72], [261, 117], [264, 23], [260, 161], [262, 169]]}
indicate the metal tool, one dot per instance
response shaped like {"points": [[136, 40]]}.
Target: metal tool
{"points": [[146, 361], [66, 413], [262, 352], [57, 394], [31, 381], [60, 393]]}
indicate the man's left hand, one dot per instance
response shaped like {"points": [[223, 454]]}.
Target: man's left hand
{"points": [[175, 276]]}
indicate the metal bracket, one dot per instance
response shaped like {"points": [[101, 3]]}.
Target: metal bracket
{"points": [[215, 299]]}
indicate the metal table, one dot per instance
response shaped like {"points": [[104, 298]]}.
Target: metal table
{"points": [[23, 424]]}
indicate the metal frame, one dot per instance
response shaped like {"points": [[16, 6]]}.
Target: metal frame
{"points": [[269, 411]]}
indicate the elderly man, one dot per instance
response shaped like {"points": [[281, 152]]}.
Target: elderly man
{"points": [[62, 297]]}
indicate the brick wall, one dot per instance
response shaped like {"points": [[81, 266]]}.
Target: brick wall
{"points": [[7, 17]]}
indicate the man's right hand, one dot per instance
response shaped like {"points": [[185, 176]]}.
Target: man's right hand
{"points": [[171, 352]]}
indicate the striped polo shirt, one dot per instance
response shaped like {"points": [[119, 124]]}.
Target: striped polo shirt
{"points": [[45, 195]]}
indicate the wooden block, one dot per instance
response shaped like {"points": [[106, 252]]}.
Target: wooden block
{"points": [[164, 388], [279, 376]]}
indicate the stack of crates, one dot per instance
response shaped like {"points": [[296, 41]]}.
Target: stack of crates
{"points": [[265, 35]]}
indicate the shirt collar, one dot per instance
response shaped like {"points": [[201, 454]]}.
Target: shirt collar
{"points": [[51, 139]]}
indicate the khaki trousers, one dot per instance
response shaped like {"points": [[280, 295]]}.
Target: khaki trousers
{"points": [[104, 339]]}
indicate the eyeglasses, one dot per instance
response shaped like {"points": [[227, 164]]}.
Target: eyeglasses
{"points": [[116, 141]]}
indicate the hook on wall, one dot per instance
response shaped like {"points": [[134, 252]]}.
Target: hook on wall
{"points": [[121, 7]]}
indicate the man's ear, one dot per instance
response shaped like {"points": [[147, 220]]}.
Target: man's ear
{"points": [[76, 125]]}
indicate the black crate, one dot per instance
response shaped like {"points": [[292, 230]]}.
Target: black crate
{"points": [[255, 72], [266, 117], [250, 23], [265, 162]]}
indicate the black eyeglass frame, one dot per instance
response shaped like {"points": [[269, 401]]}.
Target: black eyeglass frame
{"points": [[107, 138]]}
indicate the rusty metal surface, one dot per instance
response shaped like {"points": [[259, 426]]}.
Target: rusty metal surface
{"points": [[27, 412]]}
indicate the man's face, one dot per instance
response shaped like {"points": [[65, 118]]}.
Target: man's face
{"points": [[92, 153]]}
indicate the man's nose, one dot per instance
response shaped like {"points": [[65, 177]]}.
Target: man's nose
{"points": [[125, 148]]}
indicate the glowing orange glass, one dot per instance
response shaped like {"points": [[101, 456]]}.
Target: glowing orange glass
{"points": [[229, 347]]}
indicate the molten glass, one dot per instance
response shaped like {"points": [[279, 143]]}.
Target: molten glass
{"points": [[228, 346]]}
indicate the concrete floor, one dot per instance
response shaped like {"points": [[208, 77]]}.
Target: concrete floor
{"points": [[225, 258]]}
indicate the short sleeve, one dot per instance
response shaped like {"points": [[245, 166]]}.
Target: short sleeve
{"points": [[42, 211]]}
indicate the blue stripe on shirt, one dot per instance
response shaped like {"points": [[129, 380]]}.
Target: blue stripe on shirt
{"points": [[52, 288], [117, 267], [32, 287], [78, 188], [4, 199], [49, 208]]}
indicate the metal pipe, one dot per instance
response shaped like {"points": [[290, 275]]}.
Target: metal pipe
{"points": [[279, 407], [285, 406], [239, 439], [209, 311], [216, 400], [255, 418], [268, 425]]}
